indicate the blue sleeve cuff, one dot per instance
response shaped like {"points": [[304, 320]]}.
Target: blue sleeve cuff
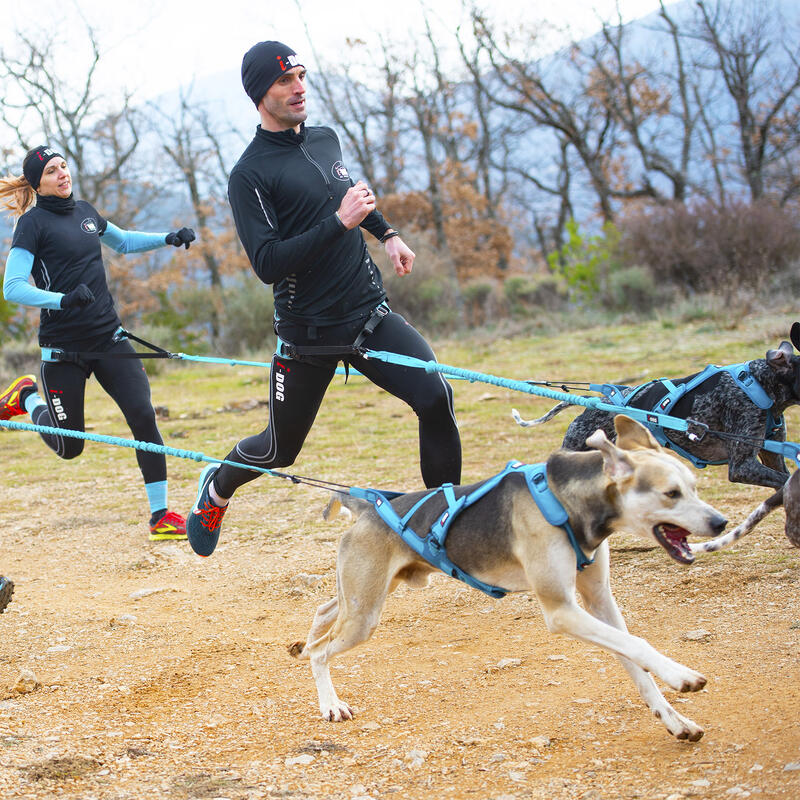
{"points": [[131, 241]]}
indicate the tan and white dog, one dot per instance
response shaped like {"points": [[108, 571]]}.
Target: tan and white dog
{"points": [[503, 539]]}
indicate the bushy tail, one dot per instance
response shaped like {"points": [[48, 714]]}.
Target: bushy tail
{"points": [[529, 423]]}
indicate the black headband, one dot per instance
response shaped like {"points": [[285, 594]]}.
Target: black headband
{"points": [[35, 162], [263, 64]]}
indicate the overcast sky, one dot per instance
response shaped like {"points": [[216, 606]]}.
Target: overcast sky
{"points": [[153, 46]]}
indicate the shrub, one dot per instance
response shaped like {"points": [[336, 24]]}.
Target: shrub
{"points": [[248, 316], [586, 262], [525, 294], [430, 298], [632, 289], [705, 247]]}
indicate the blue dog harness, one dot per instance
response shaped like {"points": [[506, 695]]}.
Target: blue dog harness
{"points": [[431, 545], [741, 376]]}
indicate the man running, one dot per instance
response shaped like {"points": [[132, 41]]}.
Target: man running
{"points": [[298, 215]]}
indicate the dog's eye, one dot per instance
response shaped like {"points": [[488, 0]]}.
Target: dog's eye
{"points": [[673, 494]]}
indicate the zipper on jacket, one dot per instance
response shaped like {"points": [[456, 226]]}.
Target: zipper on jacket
{"points": [[321, 171]]}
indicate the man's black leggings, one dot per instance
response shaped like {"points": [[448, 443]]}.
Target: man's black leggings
{"points": [[297, 387], [63, 386]]}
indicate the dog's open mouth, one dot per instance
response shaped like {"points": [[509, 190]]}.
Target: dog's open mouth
{"points": [[673, 540]]}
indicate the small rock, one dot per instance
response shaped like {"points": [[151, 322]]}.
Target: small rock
{"points": [[59, 648], [123, 619], [138, 595], [556, 658], [540, 741], [516, 776], [506, 663], [701, 784], [738, 791], [697, 635], [794, 766], [308, 580], [497, 757], [416, 758], [370, 726], [756, 768], [27, 682], [301, 761]]}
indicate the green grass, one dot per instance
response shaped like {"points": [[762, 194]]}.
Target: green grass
{"points": [[365, 437]]}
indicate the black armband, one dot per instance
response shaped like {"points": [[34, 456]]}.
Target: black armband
{"points": [[388, 235]]}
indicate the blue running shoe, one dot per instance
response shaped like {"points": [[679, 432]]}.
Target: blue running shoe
{"points": [[205, 519]]}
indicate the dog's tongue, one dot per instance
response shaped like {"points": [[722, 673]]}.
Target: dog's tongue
{"points": [[673, 539]]}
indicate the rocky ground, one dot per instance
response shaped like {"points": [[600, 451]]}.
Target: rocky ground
{"points": [[136, 670]]}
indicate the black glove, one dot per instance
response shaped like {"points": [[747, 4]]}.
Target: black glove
{"points": [[181, 237], [79, 297]]}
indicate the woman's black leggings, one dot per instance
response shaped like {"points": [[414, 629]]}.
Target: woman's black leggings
{"points": [[63, 385], [297, 387]]}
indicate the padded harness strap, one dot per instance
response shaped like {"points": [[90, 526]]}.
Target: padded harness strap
{"points": [[431, 545]]}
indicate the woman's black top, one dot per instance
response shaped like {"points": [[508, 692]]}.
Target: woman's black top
{"points": [[66, 250]]}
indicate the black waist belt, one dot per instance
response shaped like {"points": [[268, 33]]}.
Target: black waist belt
{"points": [[308, 351]]}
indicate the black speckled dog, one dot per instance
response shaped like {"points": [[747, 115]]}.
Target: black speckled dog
{"points": [[723, 406]]}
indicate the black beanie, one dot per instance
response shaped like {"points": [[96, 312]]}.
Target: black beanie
{"points": [[35, 162], [263, 64]]}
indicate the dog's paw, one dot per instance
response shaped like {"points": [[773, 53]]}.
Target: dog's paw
{"points": [[687, 680], [679, 726], [336, 712], [296, 649]]}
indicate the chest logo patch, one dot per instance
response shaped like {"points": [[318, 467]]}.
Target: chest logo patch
{"points": [[339, 171], [89, 225]]}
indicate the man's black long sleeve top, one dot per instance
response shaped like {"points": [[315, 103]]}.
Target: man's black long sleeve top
{"points": [[284, 192]]}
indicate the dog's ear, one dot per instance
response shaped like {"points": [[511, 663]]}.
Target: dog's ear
{"points": [[782, 357], [632, 435], [794, 334], [616, 464]]}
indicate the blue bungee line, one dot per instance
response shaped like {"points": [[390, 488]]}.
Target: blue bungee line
{"points": [[152, 447], [785, 449]]}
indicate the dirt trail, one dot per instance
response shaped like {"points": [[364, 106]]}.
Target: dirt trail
{"points": [[165, 675]]}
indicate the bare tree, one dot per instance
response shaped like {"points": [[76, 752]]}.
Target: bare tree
{"points": [[37, 105], [193, 139], [755, 53]]}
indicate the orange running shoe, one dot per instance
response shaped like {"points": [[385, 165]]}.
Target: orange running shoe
{"points": [[170, 526], [10, 404]]}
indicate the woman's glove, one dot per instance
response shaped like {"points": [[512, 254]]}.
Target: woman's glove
{"points": [[181, 237], [79, 297]]}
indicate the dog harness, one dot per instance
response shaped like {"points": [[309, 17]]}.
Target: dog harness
{"points": [[431, 545], [742, 377]]}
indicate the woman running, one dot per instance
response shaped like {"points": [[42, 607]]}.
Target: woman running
{"points": [[56, 241]]}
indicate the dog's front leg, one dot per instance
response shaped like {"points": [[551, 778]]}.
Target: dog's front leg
{"points": [[600, 602], [314, 649], [555, 588]]}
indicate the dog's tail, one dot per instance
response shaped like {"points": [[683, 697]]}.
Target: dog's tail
{"points": [[528, 423], [341, 502], [755, 516]]}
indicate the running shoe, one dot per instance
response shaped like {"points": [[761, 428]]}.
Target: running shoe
{"points": [[205, 518], [6, 590], [10, 403], [170, 526]]}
